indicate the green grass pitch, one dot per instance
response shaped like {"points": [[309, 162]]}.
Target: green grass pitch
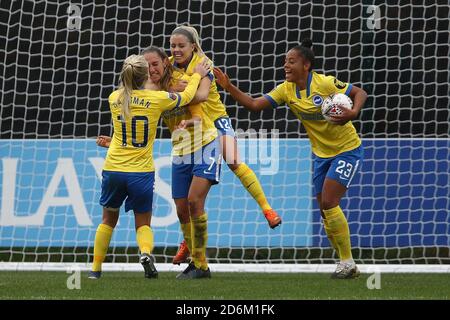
{"points": [[237, 286]]}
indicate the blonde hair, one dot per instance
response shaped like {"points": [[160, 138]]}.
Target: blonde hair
{"points": [[132, 77], [166, 78], [193, 37]]}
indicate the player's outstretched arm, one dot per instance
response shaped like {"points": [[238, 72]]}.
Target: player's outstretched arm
{"points": [[253, 104], [189, 93], [202, 92]]}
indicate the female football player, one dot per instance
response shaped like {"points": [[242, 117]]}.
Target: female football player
{"points": [[336, 147], [196, 153], [186, 54], [128, 172]]}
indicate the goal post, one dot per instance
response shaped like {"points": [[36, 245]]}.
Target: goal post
{"points": [[59, 61]]}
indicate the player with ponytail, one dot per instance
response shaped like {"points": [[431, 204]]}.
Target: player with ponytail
{"points": [[128, 172], [336, 147], [186, 54]]}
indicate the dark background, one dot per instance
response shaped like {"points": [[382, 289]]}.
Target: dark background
{"points": [[55, 81]]}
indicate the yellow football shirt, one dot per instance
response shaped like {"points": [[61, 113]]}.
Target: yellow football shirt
{"points": [[192, 138], [327, 140], [213, 106], [131, 148]]}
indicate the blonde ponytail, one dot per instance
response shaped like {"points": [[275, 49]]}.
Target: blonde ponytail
{"points": [[133, 76]]}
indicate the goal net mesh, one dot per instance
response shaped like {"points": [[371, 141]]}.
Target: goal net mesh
{"points": [[60, 60]]}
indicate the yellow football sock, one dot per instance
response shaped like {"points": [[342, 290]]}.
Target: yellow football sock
{"points": [[101, 244], [330, 236], [186, 228], [251, 183], [144, 238], [199, 235], [338, 229]]}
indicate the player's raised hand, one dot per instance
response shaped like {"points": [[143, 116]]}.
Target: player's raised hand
{"points": [[103, 141], [202, 68], [222, 78]]}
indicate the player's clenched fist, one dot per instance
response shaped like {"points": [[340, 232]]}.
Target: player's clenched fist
{"points": [[103, 141]]}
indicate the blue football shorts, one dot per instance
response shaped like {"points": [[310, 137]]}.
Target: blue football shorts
{"points": [[224, 127], [341, 168], [136, 188], [204, 163]]}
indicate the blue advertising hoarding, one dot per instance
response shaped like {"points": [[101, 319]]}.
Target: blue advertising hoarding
{"points": [[50, 189]]}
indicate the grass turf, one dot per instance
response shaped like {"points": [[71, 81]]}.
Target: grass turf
{"points": [[237, 286]]}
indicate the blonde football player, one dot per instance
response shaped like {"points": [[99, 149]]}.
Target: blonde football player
{"points": [[128, 172], [196, 155], [336, 148], [186, 54], [196, 161]]}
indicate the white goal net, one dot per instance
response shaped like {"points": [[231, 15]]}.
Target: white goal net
{"points": [[59, 61]]}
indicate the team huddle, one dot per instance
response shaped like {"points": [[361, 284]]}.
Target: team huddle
{"points": [[182, 89]]}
